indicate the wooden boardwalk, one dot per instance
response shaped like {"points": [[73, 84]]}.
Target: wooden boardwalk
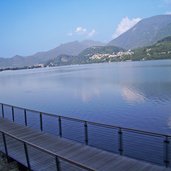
{"points": [[90, 157]]}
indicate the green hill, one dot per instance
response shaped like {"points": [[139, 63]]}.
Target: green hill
{"points": [[100, 50], [160, 50], [166, 39], [102, 53]]}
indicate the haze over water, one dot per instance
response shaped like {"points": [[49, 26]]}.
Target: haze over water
{"points": [[129, 94]]}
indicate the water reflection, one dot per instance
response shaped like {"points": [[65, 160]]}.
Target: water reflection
{"points": [[131, 95], [158, 93]]}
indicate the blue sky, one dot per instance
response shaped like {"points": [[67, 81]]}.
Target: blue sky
{"points": [[29, 26]]}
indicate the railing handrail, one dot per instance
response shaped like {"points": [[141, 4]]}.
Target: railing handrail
{"points": [[49, 152], [150, 133]]}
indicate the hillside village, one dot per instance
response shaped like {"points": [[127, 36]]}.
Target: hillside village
{"points": [[99, 56]]}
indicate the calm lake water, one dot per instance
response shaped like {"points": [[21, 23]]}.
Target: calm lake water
{"points": [[129, 94]]}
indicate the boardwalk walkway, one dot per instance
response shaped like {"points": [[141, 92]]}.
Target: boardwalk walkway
{"points": [[72, 156]]}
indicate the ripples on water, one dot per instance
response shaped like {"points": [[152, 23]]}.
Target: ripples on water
{"points": [[129, 94]]}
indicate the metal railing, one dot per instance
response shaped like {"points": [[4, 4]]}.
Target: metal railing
{"points": [[58, 158], [143, 145]]}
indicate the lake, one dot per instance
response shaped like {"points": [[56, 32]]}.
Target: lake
{"points": [[128, 94]]}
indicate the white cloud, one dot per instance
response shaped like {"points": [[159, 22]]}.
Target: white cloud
{"points": [[82, 31], [92, 32], [124, 25]]}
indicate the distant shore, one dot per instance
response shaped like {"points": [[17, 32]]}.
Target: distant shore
{"points": [[38, 66]]}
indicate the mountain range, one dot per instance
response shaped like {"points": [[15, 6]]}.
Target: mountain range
{"points": [[85, 56], [146, 32], [71, 48], [159, 50]]}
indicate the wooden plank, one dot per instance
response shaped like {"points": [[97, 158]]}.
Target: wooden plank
{"points": [[100, 160]]}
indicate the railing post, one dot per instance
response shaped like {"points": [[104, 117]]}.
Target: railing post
{"points": [[86, 132], [58, 167], [41, 122], [25, 117], [60, 126], [5, 144], [120, 138], [13, 119], [27, 156], [3, 111], [166, 151]]}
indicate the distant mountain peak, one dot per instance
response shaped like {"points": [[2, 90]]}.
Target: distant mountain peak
{"points": [[17, 57], [146, 32]]}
